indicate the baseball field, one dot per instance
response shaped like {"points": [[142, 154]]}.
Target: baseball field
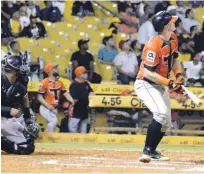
{"points": [[96, 155]]}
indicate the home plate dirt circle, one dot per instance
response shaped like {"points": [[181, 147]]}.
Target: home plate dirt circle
{"points": [[51, 160]]}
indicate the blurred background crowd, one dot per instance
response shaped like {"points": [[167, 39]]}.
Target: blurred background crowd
{"points": [[111, 35]]}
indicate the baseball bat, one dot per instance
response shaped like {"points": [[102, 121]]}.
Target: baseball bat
{"points": [[192, 96]]}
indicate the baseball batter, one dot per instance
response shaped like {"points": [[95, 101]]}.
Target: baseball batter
{"points": [[49, 93], [159, 57]]}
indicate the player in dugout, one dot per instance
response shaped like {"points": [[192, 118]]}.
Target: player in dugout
{"points": [[159, 58], [80, 91], [50, 91], [18, 127]]}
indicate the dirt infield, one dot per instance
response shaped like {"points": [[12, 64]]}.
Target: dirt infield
{"points": [[56, 160]]}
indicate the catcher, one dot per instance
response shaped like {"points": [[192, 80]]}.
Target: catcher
{"points": [[18, 126]]}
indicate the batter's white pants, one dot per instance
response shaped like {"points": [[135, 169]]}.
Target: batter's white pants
{"points": [[77, 125], [157, 100], [50, 117], [12, 129]]}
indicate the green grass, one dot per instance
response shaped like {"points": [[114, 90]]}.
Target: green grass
{"points": [[118, 147]]}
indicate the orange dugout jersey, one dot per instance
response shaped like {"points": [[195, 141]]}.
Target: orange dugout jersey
{"points": [[158, 56], [51, 90]]}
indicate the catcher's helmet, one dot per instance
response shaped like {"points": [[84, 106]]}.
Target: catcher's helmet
{"points": [[161, 19], [14, 62]]}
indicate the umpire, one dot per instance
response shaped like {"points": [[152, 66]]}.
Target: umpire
{"points": [[80, 91]]}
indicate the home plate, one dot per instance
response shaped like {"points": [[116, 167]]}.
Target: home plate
{"points": [[50, 162]]}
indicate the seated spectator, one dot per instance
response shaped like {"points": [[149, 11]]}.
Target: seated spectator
{"points": [[4, 44], [35, 30], [15, 23], [193, 70], [126, 63], [137, 49], [190, 21], [82, 8], [15, 48], [50, 13], [181, 9], [80, 91], [83, 58], [162, 6], [24, 18], [196, 4], [122, 5], [187, 46], [129, 23], [32, 9], [8, 8], [108, 53], [147, 12], [179, 32], [146, 31], [61, 5], [198, 38]]}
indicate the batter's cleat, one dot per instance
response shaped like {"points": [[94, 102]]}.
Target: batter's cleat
{"points": [[146, 156], [158, 156]]}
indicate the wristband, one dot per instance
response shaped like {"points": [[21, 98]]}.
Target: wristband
{"points": [[164, 81]]}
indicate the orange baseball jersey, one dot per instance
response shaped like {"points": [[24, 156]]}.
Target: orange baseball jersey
{"points": [[51, 90], [158, 56]]}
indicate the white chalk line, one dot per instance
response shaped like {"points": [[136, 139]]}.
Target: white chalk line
{"points": [[135, 161], [92, 161]]}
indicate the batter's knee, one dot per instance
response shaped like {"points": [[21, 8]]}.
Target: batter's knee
{"points": [[161, 116]]}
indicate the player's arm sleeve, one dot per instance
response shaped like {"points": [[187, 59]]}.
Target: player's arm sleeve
{"points": [[5, 111], [42, 88], [174, 46], [151, 59]]}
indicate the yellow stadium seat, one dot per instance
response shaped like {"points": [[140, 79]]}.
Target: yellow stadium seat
{"points": [[62, 51], [64, 26], [50, 27], [87, 28], [26, 43], [46, 43], [184, 57], [92, 20], [94, 48], [68, 9], [96, 37], [63, 62], [106, 71], [77, 35], [74, 20], [98, 11], [199, 14], [121, 36], [46, 53]]}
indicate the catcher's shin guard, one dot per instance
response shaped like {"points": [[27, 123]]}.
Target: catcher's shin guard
{"points": [[25, 148]]}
